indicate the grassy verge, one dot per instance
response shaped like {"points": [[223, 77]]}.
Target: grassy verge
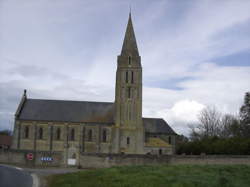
{"points": [[157, 176]]}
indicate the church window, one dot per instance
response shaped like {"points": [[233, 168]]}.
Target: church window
{"points": [[72, 134], [104, 135], [40, 133], [160, 152], [128, 140], [130, 112], [58, 133], [26, 133], [132, 77], [169, 140], [129, 92], [129, 60], [126, 76], [90, 135]]}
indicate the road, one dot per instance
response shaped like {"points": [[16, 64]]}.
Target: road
{"points": [[14, 177]]}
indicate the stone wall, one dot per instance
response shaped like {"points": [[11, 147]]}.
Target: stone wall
{"points": [[105, 160], [17, 157], [102, 160], [88, 160], [50, 141], [210, 159]]}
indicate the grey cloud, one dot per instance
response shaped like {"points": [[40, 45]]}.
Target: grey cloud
{"points": [[67, 50]]}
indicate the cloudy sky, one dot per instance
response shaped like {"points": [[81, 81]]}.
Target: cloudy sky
{"points": [[194, 53]]}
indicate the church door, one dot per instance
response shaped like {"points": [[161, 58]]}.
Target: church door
{"points": [[72, 156]]}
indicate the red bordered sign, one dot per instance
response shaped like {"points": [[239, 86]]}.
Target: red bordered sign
{"points": [[30, 156]]}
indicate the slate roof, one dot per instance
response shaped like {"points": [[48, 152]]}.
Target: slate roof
{"points": [[80, 111], [67, 111], [157, 125]]}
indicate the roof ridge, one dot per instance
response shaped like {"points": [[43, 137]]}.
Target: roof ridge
{"points": [[71, 101], [152, 118]]}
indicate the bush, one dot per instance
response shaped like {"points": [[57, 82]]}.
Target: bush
{"points": [[215, 145]]}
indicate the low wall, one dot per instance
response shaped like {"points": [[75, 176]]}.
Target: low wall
{"points": [[105, 160], [41, 158], [18, 157], [99, 161], [210, 159]]}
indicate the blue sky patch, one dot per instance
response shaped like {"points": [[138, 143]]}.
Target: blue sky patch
{"points": [[172, 84], [238, 59]]}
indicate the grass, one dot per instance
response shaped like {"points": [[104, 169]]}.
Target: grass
{"points": [[157, 176]]}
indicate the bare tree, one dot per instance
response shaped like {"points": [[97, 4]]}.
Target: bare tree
{"points": [[210, 120], [213, 123], [195, 133]]}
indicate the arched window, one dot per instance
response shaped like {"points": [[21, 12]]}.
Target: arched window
{"points": [[58, 133], [40, 133], [129, 60], [128, 140], [129, 92], [132, 77], [126, 76], [72, 134], [104, 135], [90, 135], [26, 133], [169, 140]]}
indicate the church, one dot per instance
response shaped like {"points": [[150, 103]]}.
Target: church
{"points": [[85, 127]]}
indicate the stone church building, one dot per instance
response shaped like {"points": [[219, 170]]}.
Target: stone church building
{"points": [[83, 127]]}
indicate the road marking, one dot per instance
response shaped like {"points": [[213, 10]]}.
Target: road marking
{"points": [[18, 168], [35, 180]]}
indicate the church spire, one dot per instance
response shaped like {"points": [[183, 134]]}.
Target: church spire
{"points": [[129, 47]]}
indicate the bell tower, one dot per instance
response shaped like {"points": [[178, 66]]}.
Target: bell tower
{"points": [[128, 96]]}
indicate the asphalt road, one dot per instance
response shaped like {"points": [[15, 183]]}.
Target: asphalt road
{"points": [[14, 177]]}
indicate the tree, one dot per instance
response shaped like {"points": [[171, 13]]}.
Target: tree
{"points": [[220, 134], [245, 115], [195, 134], [209, 123], [5, 132], [230, 126], [212, 123]]}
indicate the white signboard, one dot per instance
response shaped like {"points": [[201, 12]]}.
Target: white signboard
{"points": [[71, 161], [48, 159]]}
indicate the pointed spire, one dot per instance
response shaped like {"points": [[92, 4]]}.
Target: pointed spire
{"points": [[129, 46]]}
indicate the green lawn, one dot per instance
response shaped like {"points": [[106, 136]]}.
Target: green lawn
{"points": [[157, 176]]}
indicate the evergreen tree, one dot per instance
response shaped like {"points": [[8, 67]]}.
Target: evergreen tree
{"points": [[245, 115], [5, 132]]}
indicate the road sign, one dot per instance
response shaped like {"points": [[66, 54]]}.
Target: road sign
{"points": [[30, 156], [48, 159]]}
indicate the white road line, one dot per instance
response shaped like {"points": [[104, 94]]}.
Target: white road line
{"points": [[18, 168], [35, 180]]}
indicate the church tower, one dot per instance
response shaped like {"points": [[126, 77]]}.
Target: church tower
{"points": [[128, 96]]}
